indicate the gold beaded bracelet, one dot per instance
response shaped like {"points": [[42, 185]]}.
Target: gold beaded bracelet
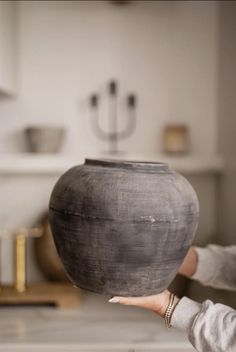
{"points": [[169, 310]]}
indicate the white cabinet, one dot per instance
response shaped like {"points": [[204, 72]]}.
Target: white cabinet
{"points": [[8, 47]]}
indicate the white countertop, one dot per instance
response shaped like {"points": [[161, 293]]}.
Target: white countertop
{"points": [[96, 326]]}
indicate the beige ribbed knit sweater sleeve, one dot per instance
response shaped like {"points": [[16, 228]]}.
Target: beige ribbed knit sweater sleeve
{"points": [[210, 327]]}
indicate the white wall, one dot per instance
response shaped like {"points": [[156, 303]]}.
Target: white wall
{"points": [[166, 52], [8, 55], [226, 107]]}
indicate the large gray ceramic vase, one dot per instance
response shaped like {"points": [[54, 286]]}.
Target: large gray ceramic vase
{"points": [[123, 228]]}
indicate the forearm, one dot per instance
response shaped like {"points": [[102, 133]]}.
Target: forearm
{"points": [[216, 266], [210, 327]]}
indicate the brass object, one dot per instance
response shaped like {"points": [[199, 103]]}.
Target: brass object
{"points": [[176, 139], [20, 261], [62, 295]]}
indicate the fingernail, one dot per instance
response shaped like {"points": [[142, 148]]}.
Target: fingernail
{"points": [[114, 300]]}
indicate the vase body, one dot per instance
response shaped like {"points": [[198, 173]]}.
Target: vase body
{"points": [[123, 228]]}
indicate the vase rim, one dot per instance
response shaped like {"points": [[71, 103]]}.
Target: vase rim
{"points": [[129, 164]]}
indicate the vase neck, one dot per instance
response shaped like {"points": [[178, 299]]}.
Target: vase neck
{"points": [[129, 165]]}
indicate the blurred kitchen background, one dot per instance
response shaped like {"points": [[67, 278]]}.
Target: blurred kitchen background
{"points": [[72, 73]]}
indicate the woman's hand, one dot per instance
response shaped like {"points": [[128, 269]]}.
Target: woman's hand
{"points": [[189, 265], [157, 303]]}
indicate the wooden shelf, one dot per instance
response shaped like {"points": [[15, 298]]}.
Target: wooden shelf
{"points": [[61, 295], [43, 164]]}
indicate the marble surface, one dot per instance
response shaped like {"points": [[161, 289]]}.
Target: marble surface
{"points": [[96, 326]]}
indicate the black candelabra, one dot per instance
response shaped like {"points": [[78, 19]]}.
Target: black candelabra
{"points": [[113, 135]]}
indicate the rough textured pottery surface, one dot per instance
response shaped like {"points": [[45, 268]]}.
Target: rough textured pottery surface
{"points": [[123, 227]]}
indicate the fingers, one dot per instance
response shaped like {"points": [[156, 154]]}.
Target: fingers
{"points": [[145, 302], [157, 303]]}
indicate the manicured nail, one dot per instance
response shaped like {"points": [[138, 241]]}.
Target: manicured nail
{"points": [[114, 300]]}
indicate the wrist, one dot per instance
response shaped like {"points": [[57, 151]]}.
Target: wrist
{"points": [[163, 302], [170, 309]]}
